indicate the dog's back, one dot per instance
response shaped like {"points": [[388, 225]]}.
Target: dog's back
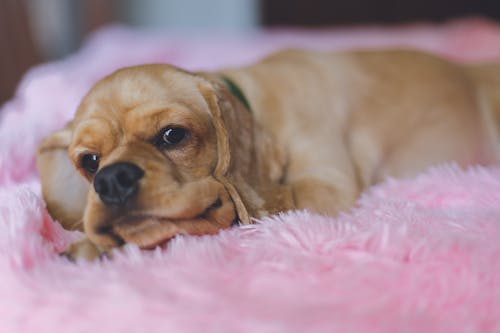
{"points": [[486, 78], [390, 113]]}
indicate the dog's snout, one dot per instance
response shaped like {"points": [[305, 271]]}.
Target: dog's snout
{"points": [[117, 183]]}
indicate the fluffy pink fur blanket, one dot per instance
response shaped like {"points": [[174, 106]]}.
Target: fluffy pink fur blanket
{"points": [[417, 255]]}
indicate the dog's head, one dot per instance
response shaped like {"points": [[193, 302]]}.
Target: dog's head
{"points": [[155, 151]]}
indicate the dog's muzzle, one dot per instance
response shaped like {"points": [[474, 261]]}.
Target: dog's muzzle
{"points": [[117, 183]]}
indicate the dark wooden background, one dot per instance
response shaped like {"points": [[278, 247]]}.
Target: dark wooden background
{"points": [[313, 13], [18, 51]]}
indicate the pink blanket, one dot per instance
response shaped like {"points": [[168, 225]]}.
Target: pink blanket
{"points": [[417, 255]]}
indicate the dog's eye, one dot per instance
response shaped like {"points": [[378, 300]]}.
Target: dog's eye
{"points": [[90, 163], [171, 136]]}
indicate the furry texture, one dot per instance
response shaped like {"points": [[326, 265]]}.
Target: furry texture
{"points": [[417, 255]]}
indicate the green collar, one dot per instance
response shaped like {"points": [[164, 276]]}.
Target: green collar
{"points": [[237, 92]]}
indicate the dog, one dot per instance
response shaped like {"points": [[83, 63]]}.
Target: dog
{"points": [[155, 151]]}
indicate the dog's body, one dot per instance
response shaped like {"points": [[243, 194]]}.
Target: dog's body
{"points": [[319, 129]]}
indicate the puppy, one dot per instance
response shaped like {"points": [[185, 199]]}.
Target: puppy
{"points": [[155, 151]]}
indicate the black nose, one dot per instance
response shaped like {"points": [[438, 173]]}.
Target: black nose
{"points": [[116, 183]]}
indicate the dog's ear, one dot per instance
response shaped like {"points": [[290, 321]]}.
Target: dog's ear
{"points": [[250, 162], [63, 188]]}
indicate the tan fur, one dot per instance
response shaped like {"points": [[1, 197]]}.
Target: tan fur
{"points": [[324, 127]]}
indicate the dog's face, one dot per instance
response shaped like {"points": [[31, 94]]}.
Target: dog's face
{"points": [[152, 152]]}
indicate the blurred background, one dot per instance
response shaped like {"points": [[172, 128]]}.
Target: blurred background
{"points": [[34, 31]]}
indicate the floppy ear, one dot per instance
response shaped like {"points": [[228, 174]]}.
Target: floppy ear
{"points": [[63, 188], [251, 164]]}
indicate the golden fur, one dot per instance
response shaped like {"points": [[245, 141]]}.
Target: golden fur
{"points": [[323, 127]]}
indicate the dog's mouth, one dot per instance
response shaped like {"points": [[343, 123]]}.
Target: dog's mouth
{"points": [[149, 231]]}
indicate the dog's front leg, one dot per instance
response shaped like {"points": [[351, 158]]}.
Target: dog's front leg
{"points": [[323, 197], [83, 249]]}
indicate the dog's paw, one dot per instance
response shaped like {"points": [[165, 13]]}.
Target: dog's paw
{"points": [[83, 249]]}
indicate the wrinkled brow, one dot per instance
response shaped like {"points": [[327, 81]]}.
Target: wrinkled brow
{"points": [[145, 121], [95, 134]]}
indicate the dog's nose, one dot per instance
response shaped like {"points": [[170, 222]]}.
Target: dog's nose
{"points": [[118, 182]]}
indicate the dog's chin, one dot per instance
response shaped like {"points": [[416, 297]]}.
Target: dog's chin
{"points": [[148, 232], [149, 226]]}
